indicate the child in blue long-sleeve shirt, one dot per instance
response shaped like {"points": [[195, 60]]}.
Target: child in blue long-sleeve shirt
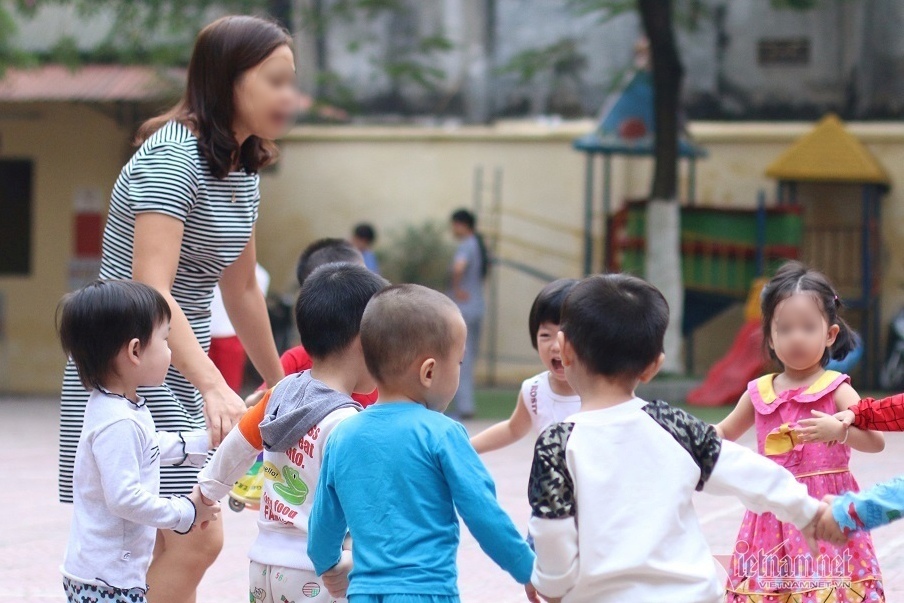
{"points": [[394, 475], [866, 510]]}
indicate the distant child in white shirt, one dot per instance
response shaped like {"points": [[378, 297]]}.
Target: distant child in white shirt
{"points": [[545, 398], [116, 334]]}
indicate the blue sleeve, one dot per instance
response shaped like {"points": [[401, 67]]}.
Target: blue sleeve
{"points": [[327, 525], [462, 252], [878, 506], [474, 495]]}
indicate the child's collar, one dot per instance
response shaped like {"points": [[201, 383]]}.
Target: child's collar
{"points": [[140, 403]]}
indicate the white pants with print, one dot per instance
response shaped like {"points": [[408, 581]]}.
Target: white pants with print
{"points": [[274, 584]]}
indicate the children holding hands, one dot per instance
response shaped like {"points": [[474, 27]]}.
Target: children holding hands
{"points": [[611, 487], [116, 334], [612, 478], [397, 476], [292, 424], [793, 414]]}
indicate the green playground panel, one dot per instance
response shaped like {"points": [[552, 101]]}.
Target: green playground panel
{"points": [[726, 226], [723, 255]]}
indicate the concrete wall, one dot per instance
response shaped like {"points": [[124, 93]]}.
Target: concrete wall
{"points": [[330, 178], [855, 62]]}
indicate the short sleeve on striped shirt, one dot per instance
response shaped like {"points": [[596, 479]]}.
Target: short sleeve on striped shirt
{"points": [[164, 180], [257, 205]]}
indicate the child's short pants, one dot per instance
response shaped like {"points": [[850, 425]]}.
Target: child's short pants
{"points": [[403, 599], [274, 584], [79, 592]]}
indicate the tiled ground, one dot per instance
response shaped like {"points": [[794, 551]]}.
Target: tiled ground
{"points": [[34, 526]]}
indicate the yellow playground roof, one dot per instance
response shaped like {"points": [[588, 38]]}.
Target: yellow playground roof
{"points": [[828, 154]]}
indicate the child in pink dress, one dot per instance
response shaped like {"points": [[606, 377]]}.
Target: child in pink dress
{"points": [[792, 411]]}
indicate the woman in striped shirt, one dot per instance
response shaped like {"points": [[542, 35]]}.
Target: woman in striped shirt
{"points": [[181, 218]]}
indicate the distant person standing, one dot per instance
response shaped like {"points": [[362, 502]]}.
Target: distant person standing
{"points": [[469, 269], [226, 350], [363, 238]]}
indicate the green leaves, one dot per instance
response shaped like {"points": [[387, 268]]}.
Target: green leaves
{"points": [[561, 58], [142, 31], [418, 254]]}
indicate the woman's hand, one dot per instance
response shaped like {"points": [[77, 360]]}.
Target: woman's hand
{"points": [[155, 259], [223, 408], [824, 428]]}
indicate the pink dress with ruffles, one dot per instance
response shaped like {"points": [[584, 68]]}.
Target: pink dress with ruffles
{"points": [[771, 560]]}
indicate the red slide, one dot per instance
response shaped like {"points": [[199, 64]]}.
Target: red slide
{"points": [[728, 378]]}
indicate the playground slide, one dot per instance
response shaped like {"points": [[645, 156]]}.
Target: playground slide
{"points": [[728, 378]]}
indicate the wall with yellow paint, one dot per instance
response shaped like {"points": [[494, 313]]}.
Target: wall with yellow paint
{"points": [[329, 178], [72, 146]]}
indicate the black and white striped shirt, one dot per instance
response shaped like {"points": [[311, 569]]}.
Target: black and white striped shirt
{"points": [[168, 175]]}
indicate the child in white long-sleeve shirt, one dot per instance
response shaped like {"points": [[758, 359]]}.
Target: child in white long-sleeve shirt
{"points": [[115, 332], [610, 488]]}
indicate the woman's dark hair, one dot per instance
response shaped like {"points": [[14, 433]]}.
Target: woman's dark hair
{"points": [[794, 277], [223, 51], [96, 321], [547, 306], [467, 218]]}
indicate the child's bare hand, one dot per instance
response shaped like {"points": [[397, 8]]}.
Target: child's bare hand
{"points": [[823, 428], [531, 593], [254, 398], [828, 529], [335, 579], [846, 417], [206, 510], [809, 532]]}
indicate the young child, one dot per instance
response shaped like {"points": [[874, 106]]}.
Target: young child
{"points": [[394, 475], [611, 489], [291, 424], [803, 330], [115, 332], [363, 238], [317, 254], [546, 398]]}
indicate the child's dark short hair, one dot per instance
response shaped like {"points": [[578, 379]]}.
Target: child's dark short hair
{"points": [[466, 217], [616, 324], [547, 306], [365, 232], [325, 251], [794, 277], [330, 306], [96, 321], [404, 323]]}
